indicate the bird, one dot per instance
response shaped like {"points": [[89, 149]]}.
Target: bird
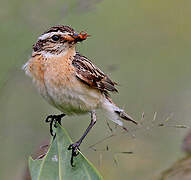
{"points": [[70, 81]]}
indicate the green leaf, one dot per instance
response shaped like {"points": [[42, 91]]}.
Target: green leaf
{"points": [[56, 164]]}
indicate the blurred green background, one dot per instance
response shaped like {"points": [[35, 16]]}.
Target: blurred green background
{"points": [[144, 45]]}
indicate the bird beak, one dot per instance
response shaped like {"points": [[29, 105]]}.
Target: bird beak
{"points": [[77, 37]]}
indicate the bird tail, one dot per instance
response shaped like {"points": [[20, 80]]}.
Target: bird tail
{"points": [[115, 114]]}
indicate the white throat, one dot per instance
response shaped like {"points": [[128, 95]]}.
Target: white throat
{"points": [[50, 55], [71, 51]]}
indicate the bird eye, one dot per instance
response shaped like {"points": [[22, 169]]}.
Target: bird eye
{"points": [[55, 37]]}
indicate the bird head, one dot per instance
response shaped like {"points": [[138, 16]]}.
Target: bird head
{"points": [[58, 39]]}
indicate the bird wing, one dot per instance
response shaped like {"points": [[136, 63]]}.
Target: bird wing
{"points": [[89, 74]]}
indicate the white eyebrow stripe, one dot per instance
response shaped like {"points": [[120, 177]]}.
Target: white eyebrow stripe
{"points": [[50, 34]]}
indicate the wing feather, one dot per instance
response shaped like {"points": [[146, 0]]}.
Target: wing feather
{"points": [[91, 75]]}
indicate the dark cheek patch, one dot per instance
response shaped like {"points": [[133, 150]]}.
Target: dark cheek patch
{"points": [[38, 46]]}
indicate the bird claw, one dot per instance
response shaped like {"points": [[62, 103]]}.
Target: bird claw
{"points": [[53, 119], [75, 152]]}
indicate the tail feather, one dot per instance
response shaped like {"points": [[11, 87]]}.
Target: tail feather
{"points": [[115, 114], [125, 116]]}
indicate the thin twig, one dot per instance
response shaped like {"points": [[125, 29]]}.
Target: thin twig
{"points": [[154, 117], [100, 141], [108, 125], [135, 130]]}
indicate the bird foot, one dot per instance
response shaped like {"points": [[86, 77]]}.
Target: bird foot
{"points": [[53, 119], [75, 151]]}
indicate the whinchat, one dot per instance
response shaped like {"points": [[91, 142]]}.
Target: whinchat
{"points": [[69, 81]]}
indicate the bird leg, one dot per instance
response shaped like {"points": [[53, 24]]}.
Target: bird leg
{"points": [[75, 147], [53, 119]]}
